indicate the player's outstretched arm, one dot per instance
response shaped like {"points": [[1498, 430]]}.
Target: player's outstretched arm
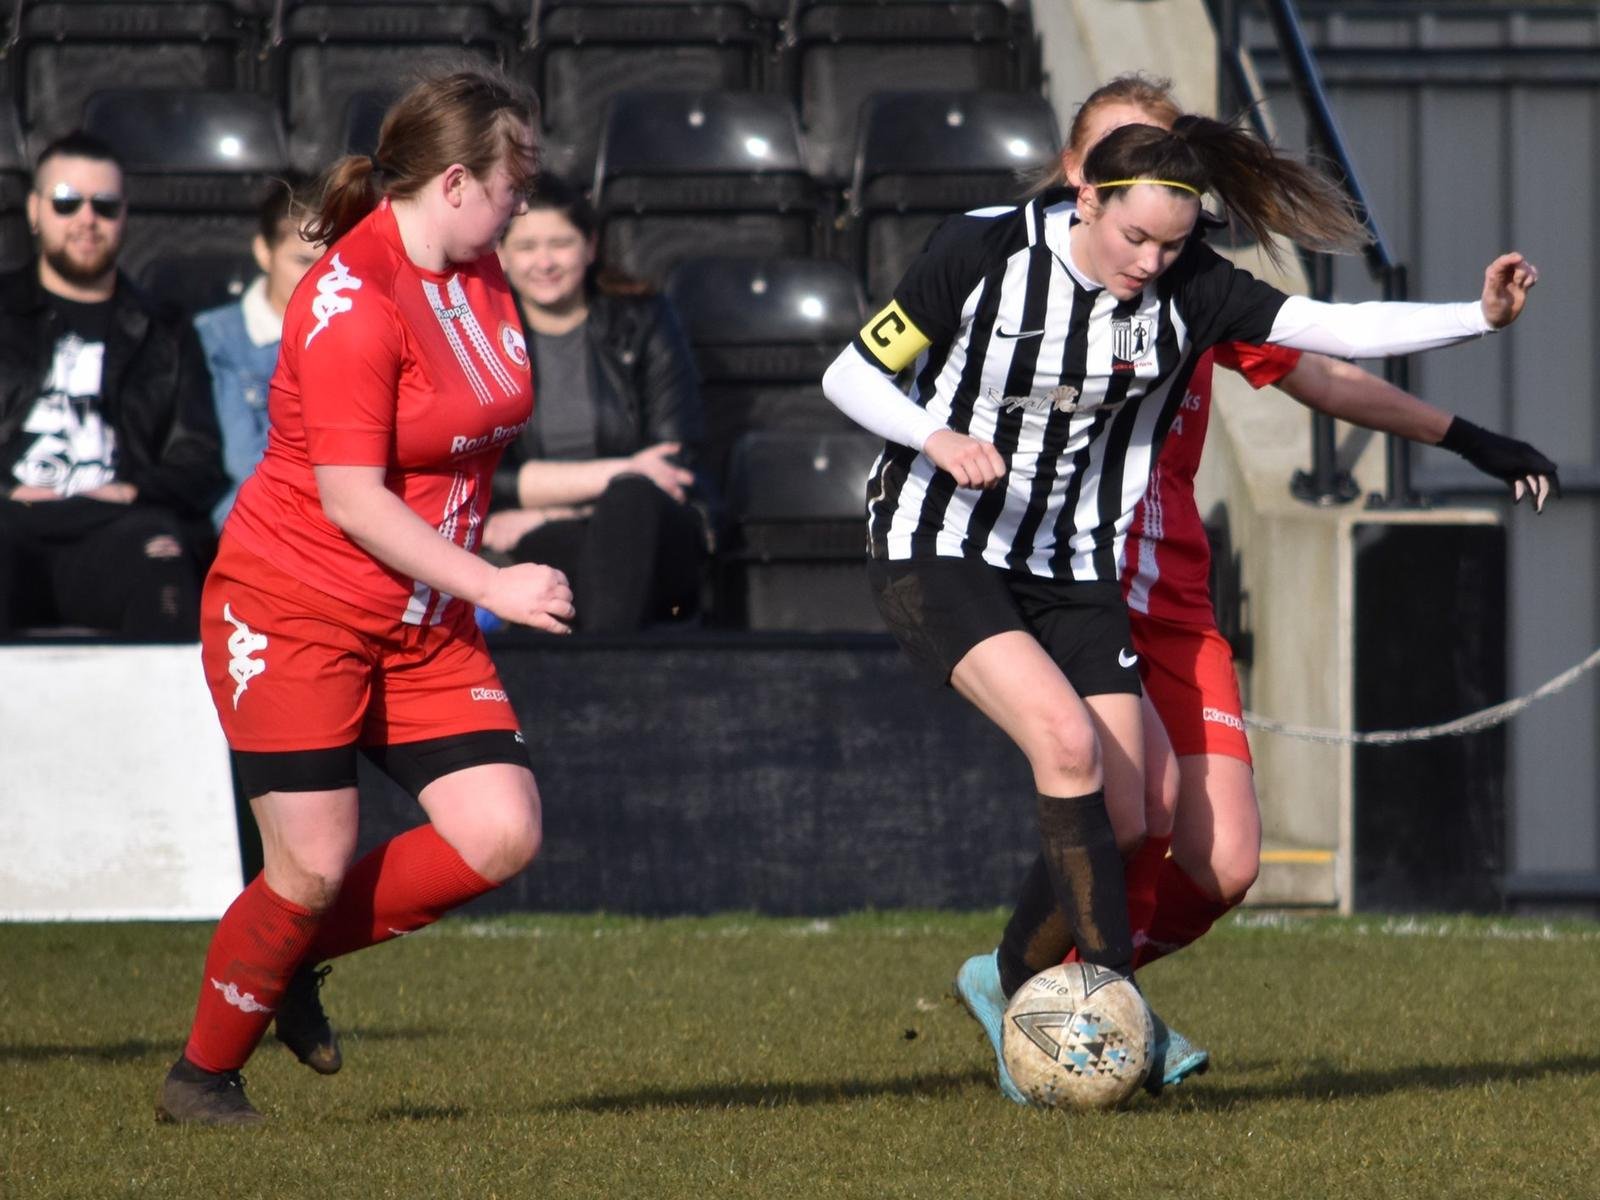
{"points": [[1346, 392]]}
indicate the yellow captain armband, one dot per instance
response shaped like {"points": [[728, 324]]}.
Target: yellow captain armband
{"points": [[892, 339]]}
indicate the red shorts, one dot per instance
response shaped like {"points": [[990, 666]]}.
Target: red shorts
{"points": [[1189, 677], [292, 668]]}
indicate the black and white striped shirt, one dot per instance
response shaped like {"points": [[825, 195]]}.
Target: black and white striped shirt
{"points": [[1075, 388]]}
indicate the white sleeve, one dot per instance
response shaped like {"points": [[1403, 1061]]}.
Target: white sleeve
{"points": [[1375, 329], [869, 398]]}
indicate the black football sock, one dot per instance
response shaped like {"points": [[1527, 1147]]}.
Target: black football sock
{"points": [[1037, 935], [1086, 872]]}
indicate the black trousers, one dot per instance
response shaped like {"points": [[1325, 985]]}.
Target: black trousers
{"points": [[638, 558], [92, 563]]}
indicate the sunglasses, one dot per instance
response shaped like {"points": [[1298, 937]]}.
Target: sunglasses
{"points": [[66, 202]]}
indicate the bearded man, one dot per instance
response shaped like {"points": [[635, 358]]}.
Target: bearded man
{"points": [[109, 451]]}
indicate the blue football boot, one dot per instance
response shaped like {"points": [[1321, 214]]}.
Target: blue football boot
{"points": [[1173, 1058], [978, 986]]}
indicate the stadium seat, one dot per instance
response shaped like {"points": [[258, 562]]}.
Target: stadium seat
{"points": [[322, 54], [16, 242], [796, 555], [581, 53], [197, 163], [196, 282], [363, 119], [839, 52], [763, 332], [924, 155], [678, 172], [66, 50]]}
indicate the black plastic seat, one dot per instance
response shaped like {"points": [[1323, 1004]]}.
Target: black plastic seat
{"points": [[324, 53], [924, 155], [67, 50], [842, 51], [161, 132], [679, 172], [763, 332], [797, 547], [581, 53], [197, 163], [195, 282], [363, 120]]}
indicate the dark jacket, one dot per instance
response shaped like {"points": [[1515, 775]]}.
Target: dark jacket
{"points": [[155, 391], [640, 347]]}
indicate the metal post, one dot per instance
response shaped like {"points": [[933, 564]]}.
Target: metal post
{"points": [[1398, 492], [1325, 484]]}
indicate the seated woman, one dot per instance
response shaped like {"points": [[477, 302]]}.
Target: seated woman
{"points": [[601, 482]]}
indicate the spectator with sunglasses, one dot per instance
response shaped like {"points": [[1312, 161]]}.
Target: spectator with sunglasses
{"points": [[109, 453]]}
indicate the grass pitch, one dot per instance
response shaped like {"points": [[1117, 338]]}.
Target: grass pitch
{"points": [[739, 1056]]}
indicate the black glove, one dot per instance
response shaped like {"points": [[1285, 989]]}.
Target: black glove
{"points": [[1517, 463]]}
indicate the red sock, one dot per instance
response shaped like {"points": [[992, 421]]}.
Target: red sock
{"points": [[259, 942], [1143, 870], [1139, 875], [1183, 913], [408, 882]]}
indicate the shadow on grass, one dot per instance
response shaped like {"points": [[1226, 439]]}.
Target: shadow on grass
{"points": [[779, 1095], [137, 1048], [1321, 1082]]}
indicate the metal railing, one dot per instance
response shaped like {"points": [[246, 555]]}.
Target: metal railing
{"points": [[1325, 482]]}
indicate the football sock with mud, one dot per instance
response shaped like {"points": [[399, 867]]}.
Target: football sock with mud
{"points": [[1086, 871], [1037, 935]]}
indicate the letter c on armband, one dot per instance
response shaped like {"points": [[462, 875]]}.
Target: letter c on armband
{"points": [[892, 339]]}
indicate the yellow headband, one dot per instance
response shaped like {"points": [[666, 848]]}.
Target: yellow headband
{"points": [[1172, 183]]}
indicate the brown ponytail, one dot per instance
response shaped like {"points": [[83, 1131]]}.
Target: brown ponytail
{"points": [[1264, 192], [1150, 94], [477, 117], [349, 191]]}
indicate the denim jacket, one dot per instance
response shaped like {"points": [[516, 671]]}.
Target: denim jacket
{"points": [[241, 365]]}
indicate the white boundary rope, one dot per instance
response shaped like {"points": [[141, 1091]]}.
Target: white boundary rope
{"points": [[1471, 723]]}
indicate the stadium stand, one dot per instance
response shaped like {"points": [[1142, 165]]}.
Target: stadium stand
{"points": [[65, 51], [195, 161], [579, 55], [679, 171], [319, 56], [837, 53], [924, 155], [763, 331]]}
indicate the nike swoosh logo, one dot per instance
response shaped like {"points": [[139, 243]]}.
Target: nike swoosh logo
{"points": [[1125, 659], [1021, 333]]}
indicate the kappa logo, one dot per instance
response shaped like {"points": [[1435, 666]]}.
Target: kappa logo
{"points": [[243, 1001], [242, 643], [329, 303], [514, 344], [494, 694], [1218, 716]]}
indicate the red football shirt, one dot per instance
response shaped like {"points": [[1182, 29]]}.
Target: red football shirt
{"points": [[1166, 570], [385, 364]]}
